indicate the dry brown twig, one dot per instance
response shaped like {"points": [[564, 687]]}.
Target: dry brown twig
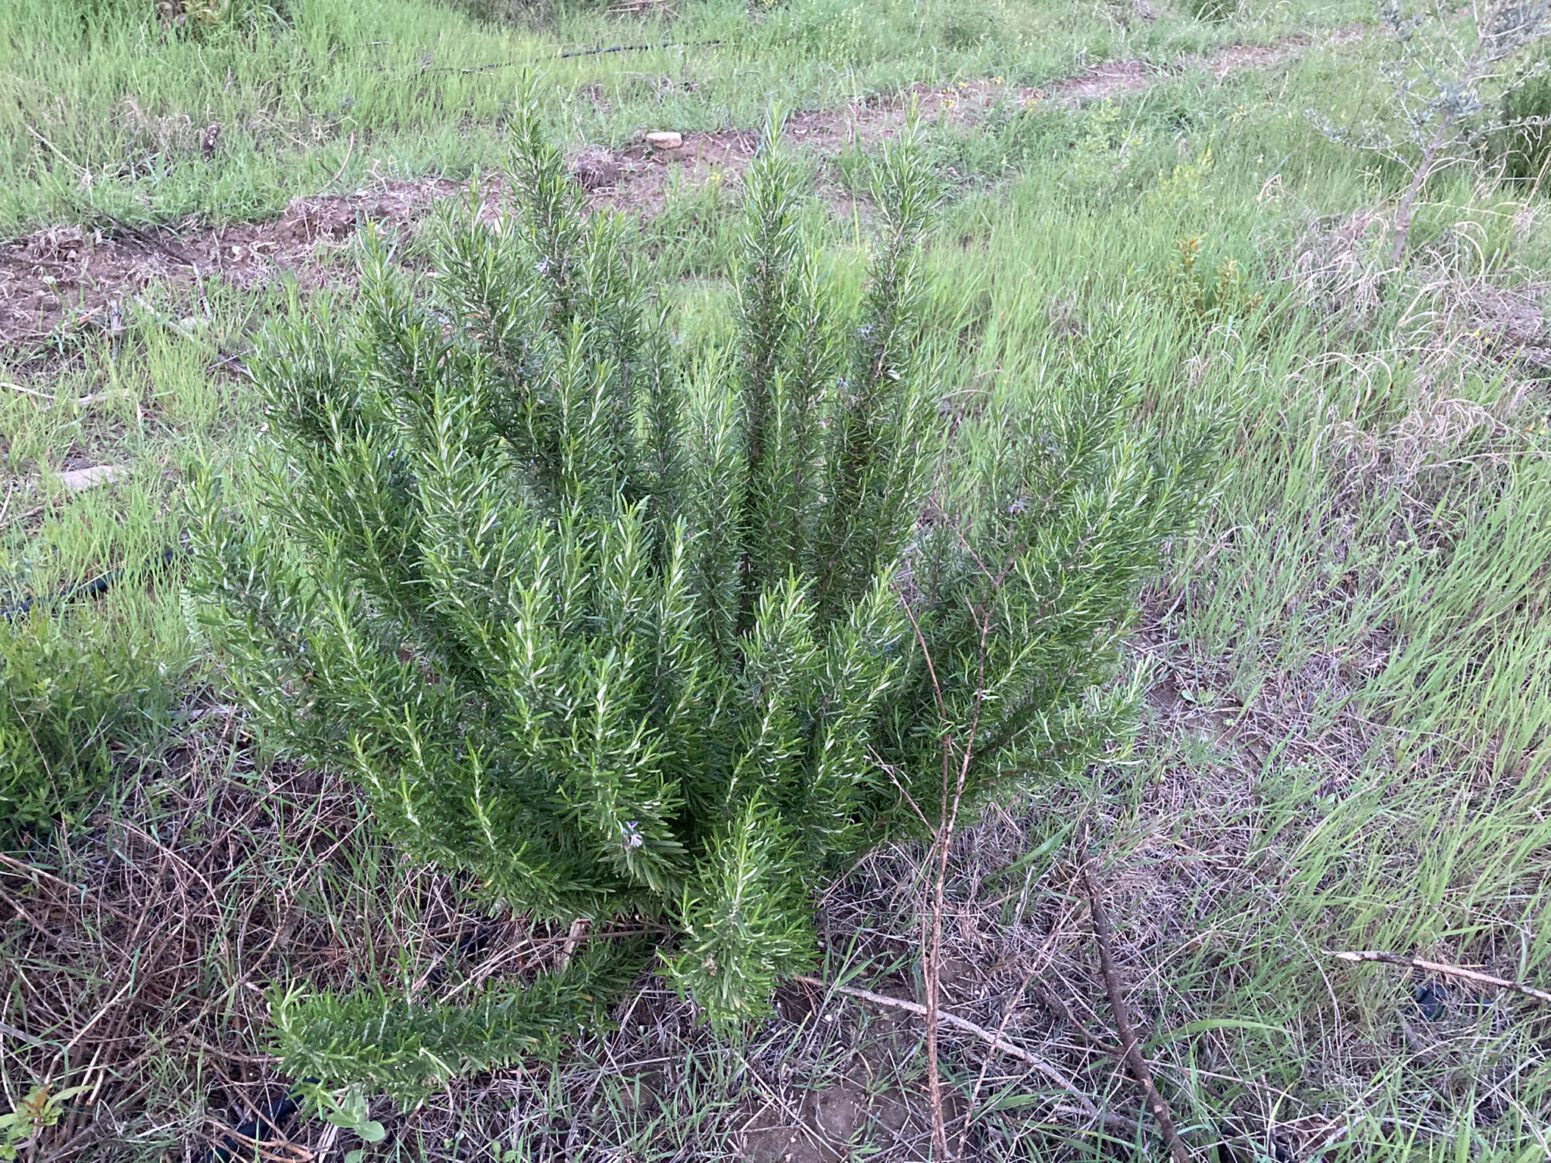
{"points": [[956, 764], [340, 172], [81, 171], [1081, 1106], [996, 1042], [573, 53], [578, 931], [266, 1150], [78, 893], [1104, 938], [1473, 975]]}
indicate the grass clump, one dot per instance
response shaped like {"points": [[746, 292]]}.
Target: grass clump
{"points": [[75, 693], [188, 17], [966, 26], [634, 629], [1523, 144], [1212, 11]]}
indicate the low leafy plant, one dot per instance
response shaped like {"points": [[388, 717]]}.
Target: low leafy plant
{"points": [[1182, 189], [39, 1110], [656, 629], [1096, 168], [348, 1112], [1211, 294]]}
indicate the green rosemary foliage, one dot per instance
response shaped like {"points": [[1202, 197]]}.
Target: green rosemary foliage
{"points": [[622, 629], [407, 1048]]}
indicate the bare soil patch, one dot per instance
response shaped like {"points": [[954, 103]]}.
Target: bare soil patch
{"points": [[69, 277]]}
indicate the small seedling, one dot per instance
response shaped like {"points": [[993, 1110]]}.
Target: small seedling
{"points": [[41, 1109]]}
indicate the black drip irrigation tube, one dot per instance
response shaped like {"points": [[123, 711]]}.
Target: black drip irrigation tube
{"points": [[266, 1126], [95, 587]]}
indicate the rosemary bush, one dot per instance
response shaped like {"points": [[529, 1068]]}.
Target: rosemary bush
{"points": [[625, 626]]}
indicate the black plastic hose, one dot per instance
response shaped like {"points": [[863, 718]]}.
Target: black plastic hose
{"points": [[97, 586]]}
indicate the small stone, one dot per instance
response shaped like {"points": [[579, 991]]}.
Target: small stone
{"points": [[78, 480], [665, 139]]}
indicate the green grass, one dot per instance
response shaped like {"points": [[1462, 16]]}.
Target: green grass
{"points": [[114, 120], [1344, 743]]}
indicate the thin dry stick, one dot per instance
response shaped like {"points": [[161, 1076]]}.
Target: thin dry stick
{"points": [[26, 391], [11, 1031], [949, 803], [55, 150], [573, 938], [931, 960], [1001, 1045], [102, 1012], [77, 892], [932, 921], [1474, 975], [1103, 937]]}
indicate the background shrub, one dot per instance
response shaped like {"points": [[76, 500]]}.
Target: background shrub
{"points": [[1523, 144], [965, 26]]}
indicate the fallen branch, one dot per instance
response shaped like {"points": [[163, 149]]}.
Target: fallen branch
{"points": [[1474, 975], [1103, 937], [1001, 1045]]}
